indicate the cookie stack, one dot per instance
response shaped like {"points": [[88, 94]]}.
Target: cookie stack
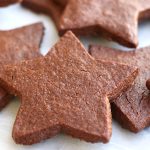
{"points": [[71, 90]]}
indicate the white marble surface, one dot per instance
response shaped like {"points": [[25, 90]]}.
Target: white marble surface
{"points": [[15, 16]]}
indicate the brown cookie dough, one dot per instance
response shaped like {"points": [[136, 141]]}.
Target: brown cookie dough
{"points": [[45, 6], [8, 2], [116, 20], [65, 91], [16, 45], [131, 109]]}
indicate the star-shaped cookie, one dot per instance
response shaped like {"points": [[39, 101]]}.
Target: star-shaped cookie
{"points": [[8, 2], [114, 19], [16, 45], [65, 91], [131, 109], [45, 6]]}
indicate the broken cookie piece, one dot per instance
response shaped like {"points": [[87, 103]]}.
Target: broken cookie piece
{"points": [[65, 91]]}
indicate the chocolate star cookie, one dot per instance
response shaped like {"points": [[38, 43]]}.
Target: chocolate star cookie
{"points": [[132, 108], [65, 91], [114, 19], [16, 45]]}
